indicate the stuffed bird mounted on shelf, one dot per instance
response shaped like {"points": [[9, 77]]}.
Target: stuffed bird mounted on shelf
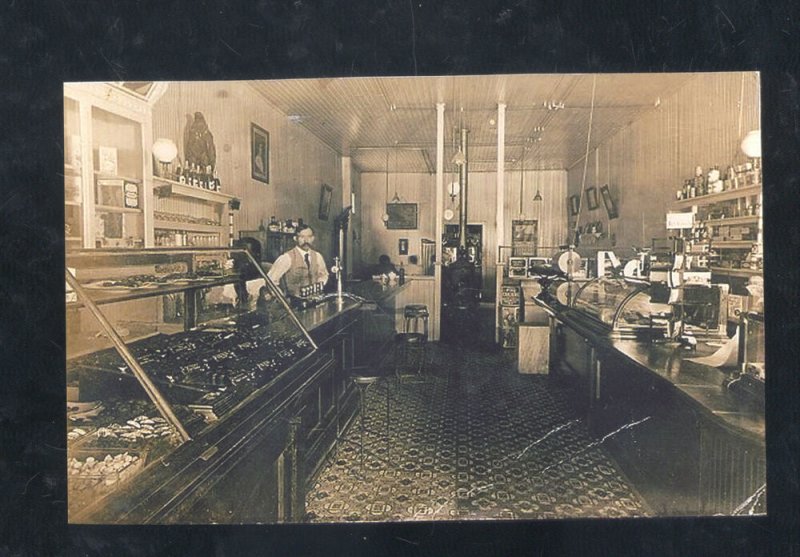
{"points": [[199, 143]]}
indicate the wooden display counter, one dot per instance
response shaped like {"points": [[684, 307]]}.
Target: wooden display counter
{"points": [[689, 444], [256, 464]]}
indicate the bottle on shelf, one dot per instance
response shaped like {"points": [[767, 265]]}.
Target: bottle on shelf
{"points": [[273, 225], [699, 182], [178, 171], [729, 177], [207, 179], [217, 185]]}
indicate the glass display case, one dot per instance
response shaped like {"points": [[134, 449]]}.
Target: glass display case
{"points": [[751, 374], [164, 345], [621, 307]]}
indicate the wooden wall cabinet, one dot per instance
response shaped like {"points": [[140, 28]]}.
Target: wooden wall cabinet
{"points": [[272, 244], [107, 165]]}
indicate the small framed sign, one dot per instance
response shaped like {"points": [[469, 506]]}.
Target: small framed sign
{"points": [[680, 221], [608, 201], [591, 198], [402, 246], [107, 160], [131, 195], [259, 151], [574, 204], [325, 193]]}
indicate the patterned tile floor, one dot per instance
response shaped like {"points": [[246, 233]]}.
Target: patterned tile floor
{"points": [[472, 440]]}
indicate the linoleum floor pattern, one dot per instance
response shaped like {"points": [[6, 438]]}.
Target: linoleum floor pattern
{"points": [[472, 440]]}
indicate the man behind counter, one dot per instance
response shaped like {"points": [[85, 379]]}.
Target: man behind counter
{"points": [[300, 266]]}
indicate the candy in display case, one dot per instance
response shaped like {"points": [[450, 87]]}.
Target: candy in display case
{"points": [[163, 346]]}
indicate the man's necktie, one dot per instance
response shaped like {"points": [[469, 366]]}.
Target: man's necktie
{"points": [[308, 267]]}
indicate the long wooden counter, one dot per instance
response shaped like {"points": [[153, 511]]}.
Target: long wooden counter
{"points": [[702, 384], [690, 445]]}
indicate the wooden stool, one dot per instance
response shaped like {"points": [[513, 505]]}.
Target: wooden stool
{"points": [[363, 382], [412, 314]]}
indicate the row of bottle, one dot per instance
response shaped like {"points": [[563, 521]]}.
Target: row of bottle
{"points": [[178, 238], [197, 176], [721, 211], [288, 226], [740, 176], [751, 258]]}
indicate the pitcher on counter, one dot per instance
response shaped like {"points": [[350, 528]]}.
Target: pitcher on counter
{"points": [[301, 266]]}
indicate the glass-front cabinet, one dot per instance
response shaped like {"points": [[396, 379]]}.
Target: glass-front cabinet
{"points": [[74, 191], [620, 307], [107, 165], [163, 345]]}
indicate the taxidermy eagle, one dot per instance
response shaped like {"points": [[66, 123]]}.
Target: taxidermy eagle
{"points": [[199, 143]]}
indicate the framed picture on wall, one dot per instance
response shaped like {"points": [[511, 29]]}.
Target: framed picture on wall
{"points": [[325, 192], [259, 153], [402, 216], [524, 237], [402, 246], [608, 201], [591, 198], [574, 204]]}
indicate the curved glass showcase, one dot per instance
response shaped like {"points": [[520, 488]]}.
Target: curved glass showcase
{"points": [[162, 344], [621, 306]]}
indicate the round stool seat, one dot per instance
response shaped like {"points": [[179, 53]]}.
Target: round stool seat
{"points": [[412, 315], [415, 310], [364, 380], [410, 338]]}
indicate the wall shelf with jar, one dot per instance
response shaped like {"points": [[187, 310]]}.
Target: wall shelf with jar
{"points": [[729, 212], [187, 215]]}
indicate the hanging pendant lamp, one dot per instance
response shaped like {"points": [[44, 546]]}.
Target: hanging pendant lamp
{"points": [[538, 196], [385, 216], [396, 198]]}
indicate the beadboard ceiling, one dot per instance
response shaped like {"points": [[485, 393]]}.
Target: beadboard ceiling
{"points": [[390, 122]]}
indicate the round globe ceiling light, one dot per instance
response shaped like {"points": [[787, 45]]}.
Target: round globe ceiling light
{"points": [[165, 150], [751, 144]]}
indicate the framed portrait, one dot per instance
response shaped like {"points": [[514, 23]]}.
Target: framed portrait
{"points": [[608, 201], [591, 198], [574, 204], [402, 246], [259, 153], [402, 216], [325, 192]]}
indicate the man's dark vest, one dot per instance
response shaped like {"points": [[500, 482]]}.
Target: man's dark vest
{"points": [[300, 274]]}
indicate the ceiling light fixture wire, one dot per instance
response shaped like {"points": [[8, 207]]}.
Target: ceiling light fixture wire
{"points": [[585, 161], [396, 198], [522, 179], [387, 177]]}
